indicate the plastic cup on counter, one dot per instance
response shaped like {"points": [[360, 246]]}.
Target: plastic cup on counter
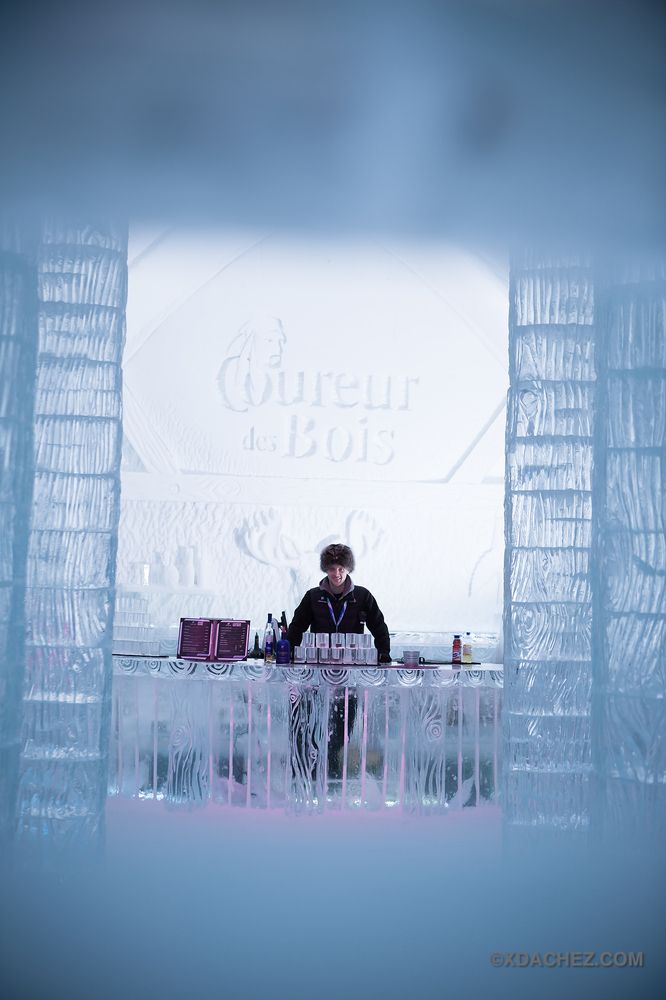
{"points": [[348, 656], [299, 654], [310, 654], [322, 639], [337, 655], [308, 639], [351, 639], [324, 654], [360, 655], [371, 657], [410, 657], [337, 639]]}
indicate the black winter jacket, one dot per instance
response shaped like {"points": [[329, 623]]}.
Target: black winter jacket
{"points": [[313, 613]]}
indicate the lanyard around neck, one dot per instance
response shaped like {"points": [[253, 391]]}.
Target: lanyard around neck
{"points": [[336, 621]]}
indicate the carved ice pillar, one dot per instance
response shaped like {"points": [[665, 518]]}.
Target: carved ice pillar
{"points": [[629, 689], [82, 282], [548, 603], [18, 337]]}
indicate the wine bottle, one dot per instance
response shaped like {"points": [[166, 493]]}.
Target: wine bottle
{"points": [[256, 653], [269, 640]]}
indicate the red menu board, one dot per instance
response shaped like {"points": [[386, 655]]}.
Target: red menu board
{"points": [[213, 639], [196, 639], [232, 639]]}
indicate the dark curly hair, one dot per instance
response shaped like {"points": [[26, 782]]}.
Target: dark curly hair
{"points": [[337, 555]]}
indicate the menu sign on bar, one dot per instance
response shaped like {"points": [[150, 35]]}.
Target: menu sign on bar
{"points": [[232, 639], [213, 639]]}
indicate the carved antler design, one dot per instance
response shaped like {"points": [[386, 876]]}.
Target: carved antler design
{"points": [[363, 532], [262, 537]]}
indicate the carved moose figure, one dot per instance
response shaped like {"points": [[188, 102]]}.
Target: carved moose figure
{"points": [[262, 537]]}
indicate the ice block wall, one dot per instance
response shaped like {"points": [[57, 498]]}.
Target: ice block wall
{"points": [[629, 555], [548, 510], [79, 306], [585, 608], [17, 378]]}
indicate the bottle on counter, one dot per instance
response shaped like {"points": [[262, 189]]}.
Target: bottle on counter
{"points": [[467, 648], [456, 651], [283, 621], [283, 654], [256, 653], [269, 640]]}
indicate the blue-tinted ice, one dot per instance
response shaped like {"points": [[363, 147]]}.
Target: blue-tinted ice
{"points": [[584, 665], [585, 601]]}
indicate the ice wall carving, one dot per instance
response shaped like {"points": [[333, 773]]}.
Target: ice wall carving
{"points": [[548, 507], [262, 537], [260, 737], [297, 382], [585, 609], [79, 296], [236, 584], [629, 547]]}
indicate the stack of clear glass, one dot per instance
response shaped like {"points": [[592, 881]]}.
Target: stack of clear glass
{"points": [[336, 649]]}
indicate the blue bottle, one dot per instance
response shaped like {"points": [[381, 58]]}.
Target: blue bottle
{"points": [[283, 651]]}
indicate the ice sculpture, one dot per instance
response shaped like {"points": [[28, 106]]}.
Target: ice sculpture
{"points": [[585, 549], [73, 313], [256, 736], [548, 667]]}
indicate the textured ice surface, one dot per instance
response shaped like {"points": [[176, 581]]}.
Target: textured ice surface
{"points": [[629, 547], [257, 737], [70, 307], [548, 510], [585, 614]]}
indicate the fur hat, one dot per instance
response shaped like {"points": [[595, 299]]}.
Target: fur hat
{"points": [[337, 555]]}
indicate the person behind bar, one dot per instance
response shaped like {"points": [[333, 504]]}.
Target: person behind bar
{"points": [[337, 605]]}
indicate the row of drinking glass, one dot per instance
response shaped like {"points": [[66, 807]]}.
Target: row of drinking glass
{"points": [[346, 648]]}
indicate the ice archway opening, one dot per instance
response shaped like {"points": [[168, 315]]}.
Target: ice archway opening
{"points": [[584, 561]]}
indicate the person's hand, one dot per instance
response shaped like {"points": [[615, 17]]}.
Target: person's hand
{"points": [[384, 657]]}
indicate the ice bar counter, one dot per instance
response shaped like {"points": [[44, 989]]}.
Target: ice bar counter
{"points": [[306, 736]]}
